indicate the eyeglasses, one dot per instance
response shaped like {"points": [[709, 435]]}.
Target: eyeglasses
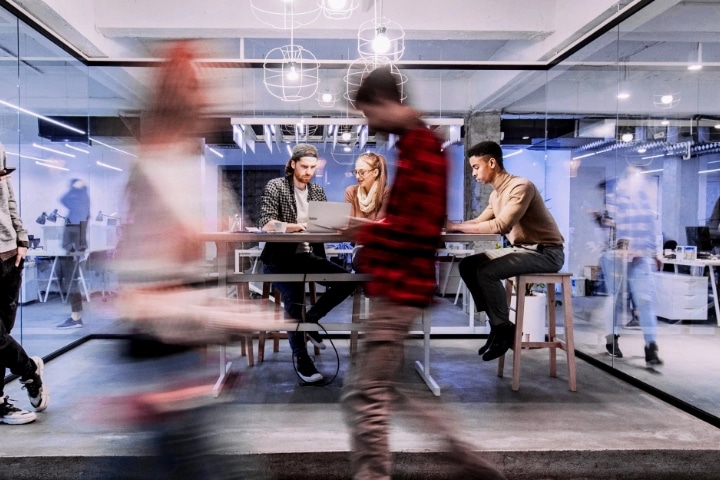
{"points": [[362, 173]]}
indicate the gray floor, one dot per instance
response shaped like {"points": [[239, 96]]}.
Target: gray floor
{"points": [[268, 426]]}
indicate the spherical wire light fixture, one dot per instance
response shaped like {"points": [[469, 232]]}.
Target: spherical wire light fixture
{"points": [[291, 73], [338, 9], [284, 14], [361, 68]]}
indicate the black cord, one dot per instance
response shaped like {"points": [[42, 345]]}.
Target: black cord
{"points": [[294, 357]]}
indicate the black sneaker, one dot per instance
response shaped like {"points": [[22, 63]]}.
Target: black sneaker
{"points": [[489, 342], [651, 356], [37, 391], [612, 348], [306, 369], [12, 415], [503, 339], [316, 339]]}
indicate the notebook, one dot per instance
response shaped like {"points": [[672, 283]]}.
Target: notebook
{"points": [[326, 217]]}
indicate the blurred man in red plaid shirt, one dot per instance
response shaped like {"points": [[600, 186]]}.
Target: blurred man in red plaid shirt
{"points": [[400, 254]]}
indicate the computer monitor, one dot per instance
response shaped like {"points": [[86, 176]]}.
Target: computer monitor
{"points": [[699, 237]]}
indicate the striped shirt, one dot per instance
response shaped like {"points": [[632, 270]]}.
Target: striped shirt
{"points": [[631, 207]]}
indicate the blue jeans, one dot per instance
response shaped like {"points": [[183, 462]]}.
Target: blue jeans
{"points": [[482, 274], [640, 285], [293, 293]]}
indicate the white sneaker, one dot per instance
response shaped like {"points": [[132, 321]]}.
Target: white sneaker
{"points": [[39, 395], [12, 415]]}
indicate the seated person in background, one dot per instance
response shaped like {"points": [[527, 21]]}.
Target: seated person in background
{"points": [[286, 200], [517, 210], [369, 196]]}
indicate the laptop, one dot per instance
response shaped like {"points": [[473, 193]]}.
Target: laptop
{"points": [[326, 217]]}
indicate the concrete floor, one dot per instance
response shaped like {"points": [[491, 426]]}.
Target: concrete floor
{"points": [[268, 426]]}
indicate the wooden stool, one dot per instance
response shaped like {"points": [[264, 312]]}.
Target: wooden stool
{"points": [[553, 343]]}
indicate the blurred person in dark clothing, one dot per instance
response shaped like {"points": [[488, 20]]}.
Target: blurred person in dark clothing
{"points": [[77, 201], [13, 248], [399, 253]]}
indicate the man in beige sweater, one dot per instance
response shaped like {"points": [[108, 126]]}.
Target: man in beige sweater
{"points": [[516, 210]]}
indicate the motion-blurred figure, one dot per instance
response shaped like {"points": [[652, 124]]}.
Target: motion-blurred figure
{"points": [[77, 201], [628, 266], [159, 261], [400, 253]]}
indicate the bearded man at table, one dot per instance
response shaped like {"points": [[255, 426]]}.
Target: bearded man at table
{"points": [[286, 200]]}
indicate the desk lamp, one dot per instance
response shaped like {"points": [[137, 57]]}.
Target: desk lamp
{"points": [[112, 219], [52, 217]]}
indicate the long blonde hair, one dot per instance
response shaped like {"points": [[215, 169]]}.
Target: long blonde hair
{"points": [[377, 161]]}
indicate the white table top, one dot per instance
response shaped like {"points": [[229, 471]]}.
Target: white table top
{"points": [[325, 237], [700, 262]]}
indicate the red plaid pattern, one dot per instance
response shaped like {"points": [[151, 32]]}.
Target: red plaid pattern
{"points": [[400, 251]]}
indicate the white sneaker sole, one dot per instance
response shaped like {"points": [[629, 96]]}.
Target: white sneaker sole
{"points": [[45, 396], [27, 417], [317, 377]]}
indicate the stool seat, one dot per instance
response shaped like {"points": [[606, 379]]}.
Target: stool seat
{"points": [[553, 341]]}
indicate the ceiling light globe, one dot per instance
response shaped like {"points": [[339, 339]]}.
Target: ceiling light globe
{"points": [[666, 99], [627, 137], [381, 43], [346, 136], [292, 73], [337, 4], [327, 97]]}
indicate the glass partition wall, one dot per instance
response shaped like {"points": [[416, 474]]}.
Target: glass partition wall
{"points": [[625, 102], [646, 137]]}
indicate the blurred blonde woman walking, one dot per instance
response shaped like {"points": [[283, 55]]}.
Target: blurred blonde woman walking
{"points": [[369, 196]]}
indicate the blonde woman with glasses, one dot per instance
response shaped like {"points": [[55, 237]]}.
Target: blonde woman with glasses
{"points": [[369, 196]]}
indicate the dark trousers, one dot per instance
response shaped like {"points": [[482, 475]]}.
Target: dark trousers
{"points": [[293, 293], [483, 273], [12, 355], [70, 283]]}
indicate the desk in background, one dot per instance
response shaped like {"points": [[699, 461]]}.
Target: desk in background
{"points": [[700, 264], [78, 273], [226, 275]]}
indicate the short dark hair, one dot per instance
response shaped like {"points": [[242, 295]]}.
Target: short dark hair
{"points": [[380, 84], [487, 148]]}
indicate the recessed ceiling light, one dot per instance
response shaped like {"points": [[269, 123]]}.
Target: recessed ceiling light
{"points": [[623, 95], [665, 122]]}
